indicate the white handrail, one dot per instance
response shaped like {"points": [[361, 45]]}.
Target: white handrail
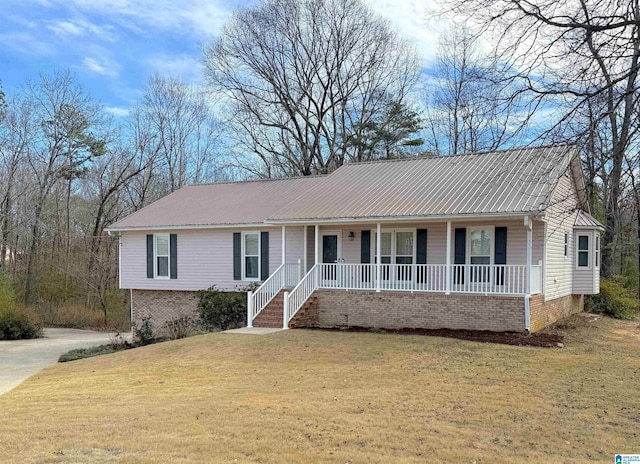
{"points": [[286, 275], [300, 294]]}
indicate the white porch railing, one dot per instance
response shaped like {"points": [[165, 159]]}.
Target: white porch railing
{"points": [[286, 276], [465, 278]]}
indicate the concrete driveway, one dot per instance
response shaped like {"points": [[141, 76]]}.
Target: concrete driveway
{"points": [[20, 359]]}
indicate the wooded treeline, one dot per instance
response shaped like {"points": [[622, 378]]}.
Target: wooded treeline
{"points": [[299, 88]]}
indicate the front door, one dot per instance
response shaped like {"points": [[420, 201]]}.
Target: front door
{"points": [[330, 254]]}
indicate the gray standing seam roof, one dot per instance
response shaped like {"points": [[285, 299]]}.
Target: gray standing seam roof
{"points": [[518, 181], [502, 182]]}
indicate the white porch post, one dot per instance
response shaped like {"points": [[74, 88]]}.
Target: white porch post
{"points": [[448, 261], [305, 250], [285, 312], [284, 244], [317, 258], [249, 309], [317, 255], [527, 296], [378, 263]]}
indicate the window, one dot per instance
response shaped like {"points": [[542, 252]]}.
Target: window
{"points": [[597, 250], [566, 244], [583, 251], [251, 255], [396, 247], [480, 246], [161, 256]]}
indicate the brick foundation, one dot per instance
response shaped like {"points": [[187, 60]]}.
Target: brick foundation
{"points": [[163, 306], [544, 313], [393, 310]]}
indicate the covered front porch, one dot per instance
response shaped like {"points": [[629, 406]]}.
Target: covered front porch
{"points": [[467, 257]]}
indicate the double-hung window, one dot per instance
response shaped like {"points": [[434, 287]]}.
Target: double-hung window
{"points": [[251, 251], [161, 256], [583, 251], [480, 253]]}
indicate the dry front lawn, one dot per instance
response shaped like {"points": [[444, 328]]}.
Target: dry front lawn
{"points": [[314, 397]]}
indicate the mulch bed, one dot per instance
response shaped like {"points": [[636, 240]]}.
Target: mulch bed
{"points": [[538, 339]]}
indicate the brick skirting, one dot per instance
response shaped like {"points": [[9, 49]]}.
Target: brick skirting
{"points": [[394, 310], [163, 306], [544, 313]]}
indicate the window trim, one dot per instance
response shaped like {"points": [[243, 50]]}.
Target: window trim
{"points": [[596, 251], [566, 245], [588, 251], [244, 256], [156, 256], [492, 252]]}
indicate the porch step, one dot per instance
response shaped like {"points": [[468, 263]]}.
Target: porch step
{"points": [[271, 316], [299, 319]]}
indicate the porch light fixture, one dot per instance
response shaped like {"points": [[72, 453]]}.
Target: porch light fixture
{"points": [[352, 236]]}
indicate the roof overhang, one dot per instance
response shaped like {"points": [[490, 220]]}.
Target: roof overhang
{"points": [[185, 227], [369, 220]]}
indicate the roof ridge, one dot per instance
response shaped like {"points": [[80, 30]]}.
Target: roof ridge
{"points": [[248, 181], [473, 153]]}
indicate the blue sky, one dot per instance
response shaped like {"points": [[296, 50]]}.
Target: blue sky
{"points": [[113, 46]]}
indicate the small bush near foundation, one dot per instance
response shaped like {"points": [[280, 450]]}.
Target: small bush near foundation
{"points": [[181, 327], [143, 334], [613, 300], [222, 310]]}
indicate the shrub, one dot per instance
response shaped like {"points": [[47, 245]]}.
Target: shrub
{"points": [[19, 323], [16, 322], [74, 316], [144, 334], [7, 297], [222, 310], [613, 300], [181, 327], [82, 353], [55, 288]]}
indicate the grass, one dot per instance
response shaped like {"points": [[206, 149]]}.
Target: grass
{"points": [[316, 397]]}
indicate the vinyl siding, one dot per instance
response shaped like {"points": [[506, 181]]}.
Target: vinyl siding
{"points": [[294, 244], [560, 218], [205, 258]]}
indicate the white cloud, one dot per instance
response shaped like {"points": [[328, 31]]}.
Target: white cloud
{"points": [[100, 67], [81, 27], [410, 19], [117, 111], [201, 18], [186, 67]]}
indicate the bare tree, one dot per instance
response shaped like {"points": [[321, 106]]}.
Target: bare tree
{"points": [[299, 76], [572, 52], [470, 106]]}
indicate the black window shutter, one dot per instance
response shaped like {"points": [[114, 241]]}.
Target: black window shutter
{"points": [[421, 247], [421, 254], [237, 256], [460, 254], [173, 256], [365, 254], [500, 253], [264, 255], [150, 256], [365, 247]]}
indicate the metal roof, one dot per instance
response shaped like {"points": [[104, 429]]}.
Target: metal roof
{"points": [[509, 182], [218, 204], [585, 220], [502, 182]]}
